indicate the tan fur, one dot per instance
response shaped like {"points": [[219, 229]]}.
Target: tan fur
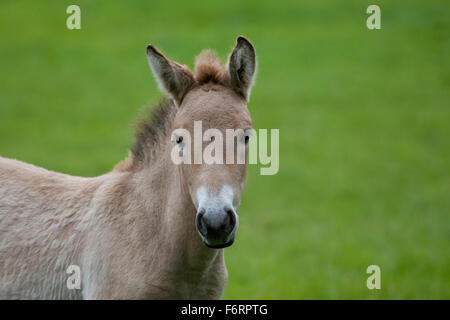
{"points": [[131, 231]]}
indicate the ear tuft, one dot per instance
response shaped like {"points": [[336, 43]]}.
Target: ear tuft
{"points": [[242, 66]]}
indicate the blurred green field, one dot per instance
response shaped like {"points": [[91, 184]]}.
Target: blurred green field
{"points": [[364, 119]]}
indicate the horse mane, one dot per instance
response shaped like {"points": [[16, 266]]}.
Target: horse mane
{"points": [[150, 131], [156, 123]]}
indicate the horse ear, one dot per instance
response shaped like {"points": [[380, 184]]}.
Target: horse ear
{"points": [[242, 67], [172, 78]]}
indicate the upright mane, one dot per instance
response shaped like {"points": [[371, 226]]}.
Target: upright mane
{"points": [[156, 123], [150, 131]]}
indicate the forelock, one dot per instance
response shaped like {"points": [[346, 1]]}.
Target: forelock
{"points": [[208, 67]]}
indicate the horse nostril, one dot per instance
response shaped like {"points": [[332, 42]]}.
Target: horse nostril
{"points": [[230, 220], [200, 223]]}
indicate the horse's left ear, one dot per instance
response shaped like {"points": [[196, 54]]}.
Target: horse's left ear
{"points": [[242, 67]]}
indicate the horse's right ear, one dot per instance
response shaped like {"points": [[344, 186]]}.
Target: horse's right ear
{"points": [[173, 78]]}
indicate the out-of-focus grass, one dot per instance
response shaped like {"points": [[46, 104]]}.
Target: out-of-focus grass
{"points": [[363, 115]]}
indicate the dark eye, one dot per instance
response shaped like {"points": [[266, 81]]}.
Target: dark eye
{"points": [[246, 139], [179, 140]]}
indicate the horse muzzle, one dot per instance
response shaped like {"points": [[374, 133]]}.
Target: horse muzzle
{"points": [[217, 227]]}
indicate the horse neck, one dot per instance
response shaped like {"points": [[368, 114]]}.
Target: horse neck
{"points": [[175, 212]]}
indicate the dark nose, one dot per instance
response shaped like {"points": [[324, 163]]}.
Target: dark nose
{"points": [[216, 226]]}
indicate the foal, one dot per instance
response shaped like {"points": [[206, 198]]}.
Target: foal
{"points": [[149, 229]]}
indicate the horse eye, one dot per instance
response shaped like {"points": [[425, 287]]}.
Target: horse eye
{"points": [[246, 139], [179, 140]]}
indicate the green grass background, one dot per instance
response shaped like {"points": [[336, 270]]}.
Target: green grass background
{"points": [[363, 115]]}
